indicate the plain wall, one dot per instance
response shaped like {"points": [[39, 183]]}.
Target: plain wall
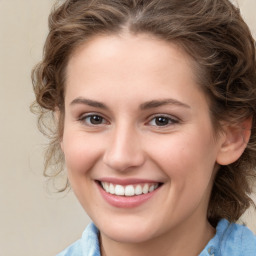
{"points": [[34, 221]]}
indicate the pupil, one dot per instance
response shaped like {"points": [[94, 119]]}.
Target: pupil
{"points": [[96, 120], [161, 121]]}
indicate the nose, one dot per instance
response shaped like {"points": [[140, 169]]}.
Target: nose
{"points": [[124, 150]]}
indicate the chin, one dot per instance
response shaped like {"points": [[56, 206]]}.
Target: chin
{"points": [[128, 232], [132, 237]]}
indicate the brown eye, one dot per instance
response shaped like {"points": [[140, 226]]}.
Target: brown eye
{"points": [[96, 119], [93, 120], [162, 121]]}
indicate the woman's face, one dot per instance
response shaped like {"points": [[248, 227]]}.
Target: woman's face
{"points": [[138, 139]]}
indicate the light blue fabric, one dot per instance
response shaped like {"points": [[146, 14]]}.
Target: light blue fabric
{"points": [[230, 240], [88, 245]]}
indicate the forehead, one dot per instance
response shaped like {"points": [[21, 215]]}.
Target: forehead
{"points": [[123, 63], [140, 54]]}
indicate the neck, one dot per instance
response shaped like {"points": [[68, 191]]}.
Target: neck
{"points": [[194, 235]]}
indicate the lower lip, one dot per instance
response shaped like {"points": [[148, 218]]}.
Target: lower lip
{"points": [[126, 201]]}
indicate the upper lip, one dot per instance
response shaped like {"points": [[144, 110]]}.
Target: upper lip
{"points": [[126, 181]]}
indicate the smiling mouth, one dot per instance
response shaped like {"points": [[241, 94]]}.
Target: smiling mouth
{"points": [[129, 190]]}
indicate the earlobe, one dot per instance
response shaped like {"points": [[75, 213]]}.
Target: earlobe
{"points": [[235, 139]]}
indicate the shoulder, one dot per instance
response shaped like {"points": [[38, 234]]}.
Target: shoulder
{"points": [[232, 239], [88, 245], [238, 237], [74, 249]]}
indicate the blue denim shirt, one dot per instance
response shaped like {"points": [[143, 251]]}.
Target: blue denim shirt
{"points": [[230, 240]]}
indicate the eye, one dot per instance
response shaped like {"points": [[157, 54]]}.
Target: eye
{"points": [[93, 120], [162, 120]]}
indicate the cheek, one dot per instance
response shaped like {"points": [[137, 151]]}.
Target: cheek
{"points": [[188, 162], [80, 153], [185, 158]]}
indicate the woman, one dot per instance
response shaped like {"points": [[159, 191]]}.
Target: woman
{"points": [[155, 110]]}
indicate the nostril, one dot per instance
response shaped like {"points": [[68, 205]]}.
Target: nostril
{"points": [[122, 161]]}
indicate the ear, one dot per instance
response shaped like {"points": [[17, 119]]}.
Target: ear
{"points": [[235, 140]]}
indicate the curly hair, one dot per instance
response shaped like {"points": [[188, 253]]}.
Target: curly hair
{"points": [[213, 34]]}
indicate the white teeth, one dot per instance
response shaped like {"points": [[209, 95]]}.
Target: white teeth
{"points": [[145, 189], [138, 190], [111, 189], [151, 188], [119, 190], [129, 190]]}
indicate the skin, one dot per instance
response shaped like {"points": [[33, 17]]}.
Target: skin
{"points": [[122, 74]]}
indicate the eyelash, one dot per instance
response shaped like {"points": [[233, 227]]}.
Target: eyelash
{"points": [[90, 116], [102, 121], [171, 120]]}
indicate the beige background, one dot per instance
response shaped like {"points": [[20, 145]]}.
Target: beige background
{"points": [[33, 221]]}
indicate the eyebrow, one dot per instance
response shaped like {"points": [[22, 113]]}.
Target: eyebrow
{"points": [[92, 103], [144, 106], [159, 103]]}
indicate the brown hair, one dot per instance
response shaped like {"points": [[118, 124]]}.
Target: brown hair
{"points": [[212, 32]]}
